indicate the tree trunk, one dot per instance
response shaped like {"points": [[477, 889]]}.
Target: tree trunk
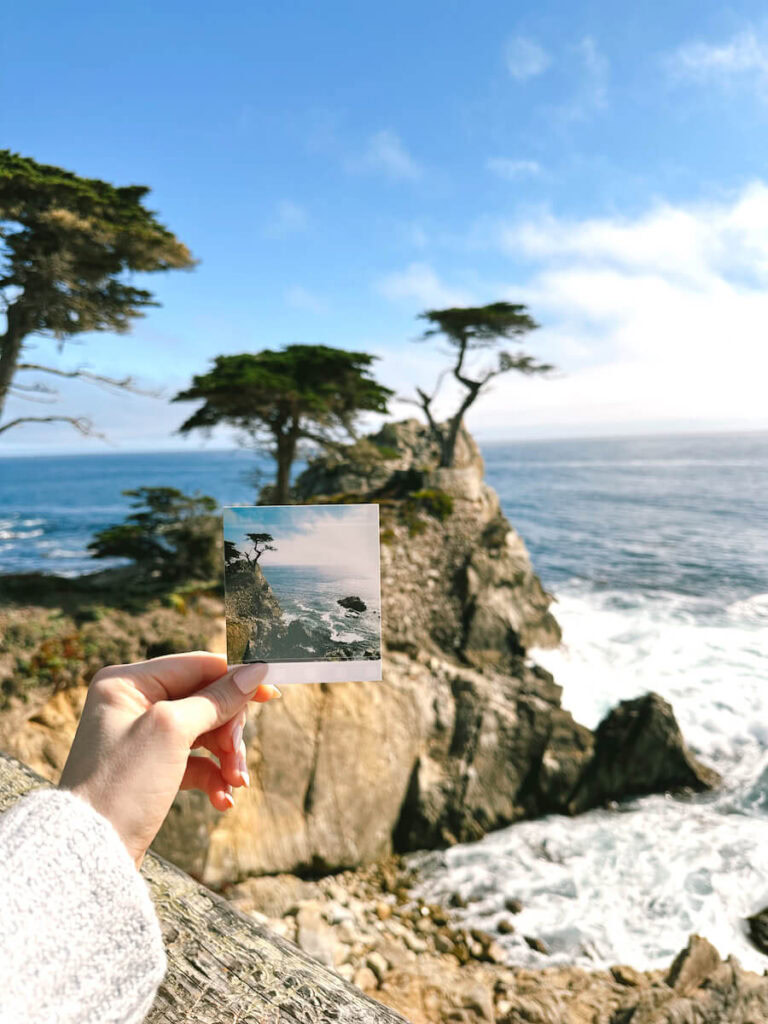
{"points": [[10, 349], [222, 966], [286, 453]]}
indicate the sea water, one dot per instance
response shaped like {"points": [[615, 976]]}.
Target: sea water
{"points": [[312, 595], [657, 552]]}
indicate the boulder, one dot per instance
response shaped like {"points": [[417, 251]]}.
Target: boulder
{"points": [[639, 749], [355, 604]]}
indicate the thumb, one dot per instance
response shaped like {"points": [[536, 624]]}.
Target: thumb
{"points": [[222, 699]]}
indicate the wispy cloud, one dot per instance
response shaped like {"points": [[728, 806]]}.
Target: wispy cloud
{"points": [[742, 58], [591, 91], [288, 218], [302, 298], [419, 284], [386, 154], [525, 58], [504, 167]]}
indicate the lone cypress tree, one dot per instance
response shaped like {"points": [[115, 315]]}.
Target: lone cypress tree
{"points": [[67, 245], [467, 330]]}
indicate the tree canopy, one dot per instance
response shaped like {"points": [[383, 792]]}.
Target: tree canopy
{"points": [[67, 247], [171, 535], [279, 397], [468, 329]]}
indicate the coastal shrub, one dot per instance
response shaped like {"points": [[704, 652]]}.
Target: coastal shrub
{"points": [[172, 536], [433, 501]]}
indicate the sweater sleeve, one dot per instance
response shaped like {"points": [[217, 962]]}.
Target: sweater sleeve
{"points": [[79, 941]]}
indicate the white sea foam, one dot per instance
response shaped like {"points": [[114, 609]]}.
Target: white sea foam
{"points": [[631, 885]]}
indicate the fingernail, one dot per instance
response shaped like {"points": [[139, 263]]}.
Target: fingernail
{"points": [[242, 765], [228, 796], [237, 734], [274, 692], [248, 678]]}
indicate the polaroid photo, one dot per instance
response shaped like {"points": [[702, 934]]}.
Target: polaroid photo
{"points": [[303, 592]]}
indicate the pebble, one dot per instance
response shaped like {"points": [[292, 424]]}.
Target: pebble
{"points": [[364, 978], [377, 964]]}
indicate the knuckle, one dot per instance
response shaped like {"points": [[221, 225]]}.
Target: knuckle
{"points": [[164, 717]]}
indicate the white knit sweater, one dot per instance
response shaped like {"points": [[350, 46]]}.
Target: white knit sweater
{"points": [[79, 939]]}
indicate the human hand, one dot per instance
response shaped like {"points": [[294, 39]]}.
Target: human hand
{"points": [[131, 753]]}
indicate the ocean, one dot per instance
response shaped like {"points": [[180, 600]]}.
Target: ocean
{"points": [[657, 552]]}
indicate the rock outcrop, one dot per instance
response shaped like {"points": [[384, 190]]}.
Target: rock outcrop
{"points": [[639, 749], [465, 734]]}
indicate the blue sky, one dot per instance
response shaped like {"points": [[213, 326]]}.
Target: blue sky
{"points": [[332, 536], [338, 168]]}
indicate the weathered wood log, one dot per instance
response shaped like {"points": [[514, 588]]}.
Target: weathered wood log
{"points": [[223, 968]]}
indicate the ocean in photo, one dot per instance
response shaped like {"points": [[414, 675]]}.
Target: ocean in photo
{"points": [[657, 552], [311, 594]]}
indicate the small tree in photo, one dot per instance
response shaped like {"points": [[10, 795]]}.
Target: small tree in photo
{"points": [[468, 330], [261, 542]]}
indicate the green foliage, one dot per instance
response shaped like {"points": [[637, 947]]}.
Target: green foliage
{"points": [[69, 247], [67, 240], [432, 500], [173, 536], [479, 326], [278, 398]]}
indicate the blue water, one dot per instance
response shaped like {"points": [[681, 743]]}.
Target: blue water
{"points": [[657, 552], [312, 595]]}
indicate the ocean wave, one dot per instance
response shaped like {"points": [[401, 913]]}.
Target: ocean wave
{"points": [[11, 534], [751, 609]]}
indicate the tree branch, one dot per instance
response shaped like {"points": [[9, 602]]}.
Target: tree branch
{"points": [[80, 423], [125, 384]]}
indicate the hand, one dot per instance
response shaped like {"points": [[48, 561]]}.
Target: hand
{"points": [[131, 753]]}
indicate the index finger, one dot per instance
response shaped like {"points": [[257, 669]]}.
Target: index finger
{"points": [[177, 675]]}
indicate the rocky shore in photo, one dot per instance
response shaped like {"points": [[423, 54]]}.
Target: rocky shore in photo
{"points": [[258, 629]]}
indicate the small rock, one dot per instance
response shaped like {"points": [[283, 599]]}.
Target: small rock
{"points": [[355, 604], [512, 905], [414, 943], [627, 975], [378, 965], [346, 932], [505, 927], [383, 911], [457, 900], [314, 936], [536, 944], [443, 944], [347, 972], [365, 979], [758, 929]]}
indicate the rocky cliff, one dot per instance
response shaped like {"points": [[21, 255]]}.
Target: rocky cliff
{"points": [[465, 733]]}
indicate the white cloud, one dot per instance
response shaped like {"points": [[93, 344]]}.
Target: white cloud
{"points": [[419, 284], [386, 154], [744, 57], [660, 318], [301, 298], [288, 219], [525, 58], [504, 167]]}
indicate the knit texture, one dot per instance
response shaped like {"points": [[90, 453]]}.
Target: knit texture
{"points": [[79, 938]]}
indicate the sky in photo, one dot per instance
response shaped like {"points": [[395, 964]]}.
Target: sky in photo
{"points": [[338, 168], [339, 537]]}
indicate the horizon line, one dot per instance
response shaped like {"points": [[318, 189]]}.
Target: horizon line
{"points": [[644, 435]]}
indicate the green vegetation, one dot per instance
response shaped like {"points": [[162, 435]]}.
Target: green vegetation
{"points": [[172, 537], [432, 500], [467, 330], [67, 247], [279, 398]]}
